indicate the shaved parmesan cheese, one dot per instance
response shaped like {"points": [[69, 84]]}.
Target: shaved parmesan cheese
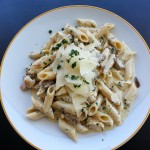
{"points": [[76, 68]]}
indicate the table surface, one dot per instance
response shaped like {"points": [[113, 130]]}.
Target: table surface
{"points": [[14, 14]]}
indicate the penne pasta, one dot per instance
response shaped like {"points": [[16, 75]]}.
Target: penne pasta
{"points": [[95, 106], [114, 41], [83, 78], [113, 112], [77, 33], [49, 98], [104, 118], [68, 129], [107, 92], [86, 22], [67, 107], [103, 30], [94, 124]]}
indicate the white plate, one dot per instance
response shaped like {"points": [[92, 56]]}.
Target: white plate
{"points": [[43, 134]]}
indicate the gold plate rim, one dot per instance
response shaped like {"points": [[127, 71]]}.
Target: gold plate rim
{"points": [[52, 10]]}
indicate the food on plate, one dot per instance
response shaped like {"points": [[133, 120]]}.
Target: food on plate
{"points": [[83, 77]]}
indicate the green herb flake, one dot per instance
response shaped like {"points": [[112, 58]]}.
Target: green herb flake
{"points": [[86, 82], [96, 103], [97, 124], [73, 77], [58, 67], [54, 49], [74, 53], [77, 86], [88, 105], [64, 41], [119, 84], [44, 63], [68, 60], [112, 50], [50, 31], [62, 29], [74, 65], [81, 58], [66, 75], [82, 110]]}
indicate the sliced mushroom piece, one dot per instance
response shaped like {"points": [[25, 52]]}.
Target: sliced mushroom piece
{"points": [[119, 64], [137, 83], [23, 87], [47, 83]]}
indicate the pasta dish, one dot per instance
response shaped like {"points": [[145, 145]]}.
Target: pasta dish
{"points": [[83, 77]]}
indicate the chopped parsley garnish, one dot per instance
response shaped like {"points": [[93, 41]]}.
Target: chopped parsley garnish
{"points": [[59, 45], [88, 105], [68, 60], [81, 58], [73, 53], [73, 77], [112, 50], [74, 65], [82, 110], [50, 31], [97, 124], [96, 103], [66, 75], [77, 86], [76, 26], [59, 66], [86, 82], [64, 41], [44, 63], [119, 84]]}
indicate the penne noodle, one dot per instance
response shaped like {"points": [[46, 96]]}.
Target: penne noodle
{"points": [[114, 41], [61, 91], [80, 128], [49, 98], [77, 33], [68, 129], [86, 22], [39, 64], [107, 92], [129, 72], [103, 30], [84, 114], [130, 94], [104, 118], [54, 38], [113, 112], [64, 107], [39, 106], [95, 106], [94, 124]]}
